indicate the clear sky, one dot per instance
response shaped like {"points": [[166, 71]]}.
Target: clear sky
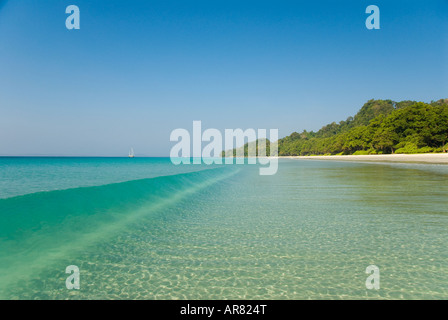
{"points": [[136, 70]]}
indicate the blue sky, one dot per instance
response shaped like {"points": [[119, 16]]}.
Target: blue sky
{"points": [[136, 70]]}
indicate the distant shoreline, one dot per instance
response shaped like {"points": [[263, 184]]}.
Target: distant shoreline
{"points": [[434, 158]]}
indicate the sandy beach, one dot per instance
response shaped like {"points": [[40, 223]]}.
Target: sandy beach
{"points": [[437, 158]]}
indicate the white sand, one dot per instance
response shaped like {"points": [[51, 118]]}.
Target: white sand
{"points": [[440, 158]]}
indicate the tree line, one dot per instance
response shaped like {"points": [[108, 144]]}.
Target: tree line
{"points": [[380, 127]]}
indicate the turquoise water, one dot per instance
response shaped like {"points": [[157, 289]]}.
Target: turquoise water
{"points": [[146, 229], [23, 175]]}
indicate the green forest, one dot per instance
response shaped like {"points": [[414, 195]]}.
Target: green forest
{"points": [[380, 127]]}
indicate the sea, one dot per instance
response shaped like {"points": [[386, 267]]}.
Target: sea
{"points": [[143, 228]]}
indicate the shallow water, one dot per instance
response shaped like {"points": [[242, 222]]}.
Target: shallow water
{"points": [[308, 232]]}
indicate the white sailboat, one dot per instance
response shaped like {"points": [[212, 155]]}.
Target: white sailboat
{"points": [[131, 153]]}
